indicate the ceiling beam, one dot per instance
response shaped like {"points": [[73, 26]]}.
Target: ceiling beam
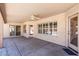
{"points": [[3, 12]]}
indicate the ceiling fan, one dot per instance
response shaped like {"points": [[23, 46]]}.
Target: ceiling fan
{"points": [[34, 17]]}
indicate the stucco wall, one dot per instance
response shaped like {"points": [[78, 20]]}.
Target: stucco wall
{"points": [[27, 28], [70, 12], [59, 38], [62, 34], [1, 30], [6, 29]]}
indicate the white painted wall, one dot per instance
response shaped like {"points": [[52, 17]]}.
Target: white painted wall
{"points": [[27, 28], [1, 31], [62, 33], [59, 39], [6, 29], [70, 12]]}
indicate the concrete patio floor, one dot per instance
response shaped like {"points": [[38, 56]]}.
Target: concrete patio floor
{"points": [[21, 46]]}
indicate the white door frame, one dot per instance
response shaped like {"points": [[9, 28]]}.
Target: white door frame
{"points": [[70, 45], [31, 30], [78, 34]]}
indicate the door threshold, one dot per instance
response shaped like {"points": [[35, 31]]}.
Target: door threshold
{"points": [[74, 51]]}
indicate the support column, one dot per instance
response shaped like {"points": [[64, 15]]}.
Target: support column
{"points": [[1, 41], [78, 34], [1, 34], [1, 31]]}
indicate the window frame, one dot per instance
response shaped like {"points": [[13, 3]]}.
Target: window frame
{"points": [[49, 28], [24, 28]]}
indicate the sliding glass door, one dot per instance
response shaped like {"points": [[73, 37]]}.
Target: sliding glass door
{"points": [[15, 30], [12, 30], [18, 30], [73, 28]]}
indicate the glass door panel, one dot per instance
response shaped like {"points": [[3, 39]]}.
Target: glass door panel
{"points": [[74, 30]]}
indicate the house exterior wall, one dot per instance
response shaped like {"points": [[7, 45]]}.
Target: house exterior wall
{"points": [[58, 39], [62, 34], [6, 29], [1, 31], [62, 31], [72, 11], [27, 28]]}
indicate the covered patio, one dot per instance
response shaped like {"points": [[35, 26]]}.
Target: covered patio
{"points": [[21, 46]]}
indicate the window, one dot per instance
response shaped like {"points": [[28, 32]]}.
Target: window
{"points": [[40, 28], [12, 29], [53, 28], [24, 28], [15, 30], [45, 28], [48, 28]]}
